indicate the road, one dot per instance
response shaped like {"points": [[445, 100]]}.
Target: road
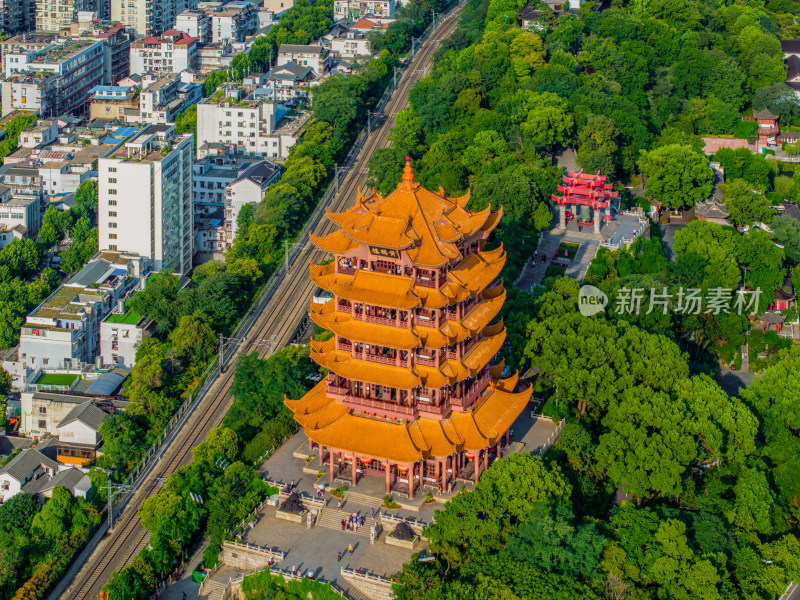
{"points": [[280, 318]]}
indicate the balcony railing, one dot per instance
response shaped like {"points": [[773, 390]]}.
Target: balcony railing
{"points": [[379, 404], [376, 358], [379, 320]]}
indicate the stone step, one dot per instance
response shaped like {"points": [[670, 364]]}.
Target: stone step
{"points": [[212, 590], [351, 592], [330, 518], [363, 499]]}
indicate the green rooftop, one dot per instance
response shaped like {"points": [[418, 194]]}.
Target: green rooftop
{"points": [[129, 318], [56, 379]]}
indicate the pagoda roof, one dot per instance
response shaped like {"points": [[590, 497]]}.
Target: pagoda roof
{"points": [[344, 325], [451, 370], [426, 225], [468, 278], [711, 209], [405, 442]]}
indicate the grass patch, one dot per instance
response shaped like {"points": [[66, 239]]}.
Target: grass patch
{"points": [[568, 250], [554, 271], [56, 379]]}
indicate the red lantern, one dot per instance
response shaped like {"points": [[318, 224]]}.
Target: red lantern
{"points": [[402, 469], [469, 455]]}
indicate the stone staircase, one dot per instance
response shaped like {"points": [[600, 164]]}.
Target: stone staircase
{"points": [[350, 591], [363, 500], [212, 590], [330, 518]]}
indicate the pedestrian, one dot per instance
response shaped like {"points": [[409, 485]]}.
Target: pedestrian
{"points": [[350, 548], [339, 505], [373, 513], [343, 524], [291, 485], [184, 595], [340, 556], [293, 568]]}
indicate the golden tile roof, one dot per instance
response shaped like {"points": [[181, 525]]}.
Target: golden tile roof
{"points": [[451, 370], [406, 442], [468, 278], [426, 225], [450, 332]]}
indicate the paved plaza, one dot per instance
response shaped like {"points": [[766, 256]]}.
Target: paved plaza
{"points": [[317, 548], [588, 242]]}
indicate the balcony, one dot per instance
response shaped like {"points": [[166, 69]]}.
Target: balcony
{"points": [[378, 320], [377, 358], [346, 346], [385, 405]]}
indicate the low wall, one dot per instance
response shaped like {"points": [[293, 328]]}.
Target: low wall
{"points": [[407, 544], [248, 556], [376, 588]]}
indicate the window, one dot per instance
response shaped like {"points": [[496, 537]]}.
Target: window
{"points": [[112, 213], [112, 246], [112, 236], [112, 225], [112, 180], [112, 170], [112, 192], [112, 202], [45, 361], [5, 485], [42, 410], [42, 424]]}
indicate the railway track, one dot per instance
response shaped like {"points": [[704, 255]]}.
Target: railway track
{"points": [[281, 317]]}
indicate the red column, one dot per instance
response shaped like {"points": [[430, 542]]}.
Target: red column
{"points": [[477, 461], [439, 470], [320, 454], [353, 469], [508, 437], [410, 472], [331, 460], [310, 444], [388, 483], [498, 448], [485, 459]]}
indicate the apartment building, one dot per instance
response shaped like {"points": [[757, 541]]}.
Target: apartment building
{"points": [[234, 22], [210, 176], [350, 44], [145, 198], [44, 406], [213, 57], [315, 57], [289, 83], [121, 332], [55, 15], [64, 330], [17, 16], [248, 188], [119, 103], [19, 212], [278, 6], [149, 17], [165, 98], [236, 117], [174, 51], [54, 80], [116, 43], [356, 9], [195, 23]]}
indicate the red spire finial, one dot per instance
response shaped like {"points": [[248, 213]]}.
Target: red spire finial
{"points": [[408, 173]]}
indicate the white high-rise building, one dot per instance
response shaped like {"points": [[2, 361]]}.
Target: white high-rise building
{"points": [[149, 17], [145, 198]]}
